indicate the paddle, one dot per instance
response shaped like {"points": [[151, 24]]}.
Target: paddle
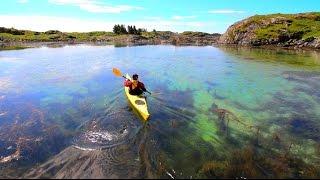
{"points": [[118, 73]]}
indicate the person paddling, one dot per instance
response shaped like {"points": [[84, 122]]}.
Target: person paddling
{"points": [[135, 86]]}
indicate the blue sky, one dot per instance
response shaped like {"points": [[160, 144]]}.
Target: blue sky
{"points": [[174, 15]]}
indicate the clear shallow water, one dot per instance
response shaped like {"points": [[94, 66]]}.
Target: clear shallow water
{"points": [[215, 112]]}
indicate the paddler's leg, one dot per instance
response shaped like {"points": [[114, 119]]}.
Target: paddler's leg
{"points": [[139, 92], [135, 92]]}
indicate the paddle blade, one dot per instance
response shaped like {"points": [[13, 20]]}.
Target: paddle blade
{"points": [[116, 72]]}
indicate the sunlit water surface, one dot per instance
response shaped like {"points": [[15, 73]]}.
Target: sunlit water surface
{"points": [[215, 112]]}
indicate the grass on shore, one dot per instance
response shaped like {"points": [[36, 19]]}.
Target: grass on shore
{"points": [[304, 26], [56, 36]]}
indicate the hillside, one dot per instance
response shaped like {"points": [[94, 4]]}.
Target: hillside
{"points": [[296, 30]]}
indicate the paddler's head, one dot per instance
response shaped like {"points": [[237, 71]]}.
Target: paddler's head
{"points": [[135, 77], [135, 80]]}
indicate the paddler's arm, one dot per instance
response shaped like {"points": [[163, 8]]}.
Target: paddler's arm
{"points": [[127, 83], [143, 88]]}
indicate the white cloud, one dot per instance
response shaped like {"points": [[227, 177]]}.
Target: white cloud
{"points": [[95, 7], [23, 1], [65, 24], [226, 11], [154, 18], [183, 17], [44, 23]]}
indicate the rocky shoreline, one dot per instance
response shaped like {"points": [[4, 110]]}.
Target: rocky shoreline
{"points": [[25, 45]]}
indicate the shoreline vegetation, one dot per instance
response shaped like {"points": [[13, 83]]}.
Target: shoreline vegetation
{"points": [[289, 31]]}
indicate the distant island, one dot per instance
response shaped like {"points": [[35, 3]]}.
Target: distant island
{"points": [[121, 36], [276, 30]]}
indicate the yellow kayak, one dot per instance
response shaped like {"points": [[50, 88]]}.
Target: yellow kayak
{"points": [[138, 103]]}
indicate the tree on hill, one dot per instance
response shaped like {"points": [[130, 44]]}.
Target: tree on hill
{"points": [[135, 30], [131, 30], [123, 30], [116, 29], [119, 29]]}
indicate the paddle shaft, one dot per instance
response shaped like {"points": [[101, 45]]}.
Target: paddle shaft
{"points": [[125, 77], [148, 92]]}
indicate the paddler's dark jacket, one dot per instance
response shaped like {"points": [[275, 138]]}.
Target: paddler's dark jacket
{"points": [[139, 89]]}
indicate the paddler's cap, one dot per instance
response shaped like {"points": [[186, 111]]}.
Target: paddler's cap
{"points": [[135, 76]]}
